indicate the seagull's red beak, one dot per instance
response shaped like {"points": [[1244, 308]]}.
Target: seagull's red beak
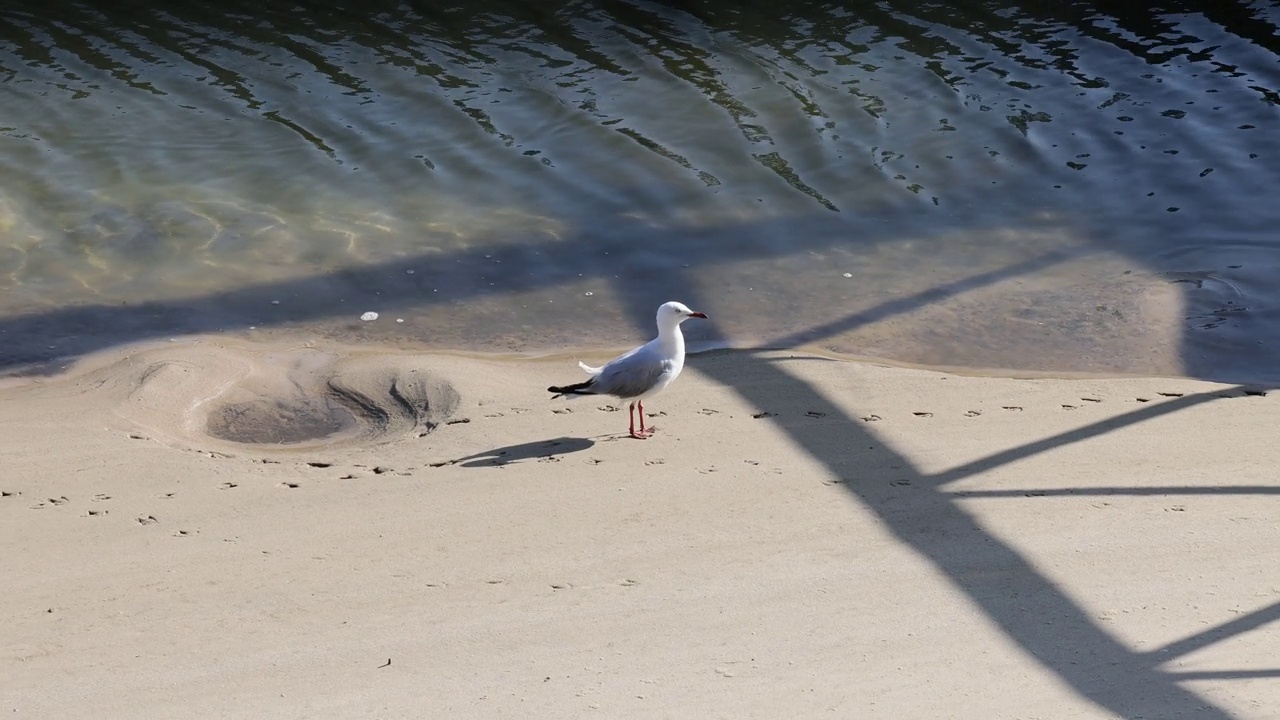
{"points": [[698, 315]]}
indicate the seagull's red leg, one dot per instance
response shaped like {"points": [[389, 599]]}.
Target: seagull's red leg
{"points": [[631, 410]]}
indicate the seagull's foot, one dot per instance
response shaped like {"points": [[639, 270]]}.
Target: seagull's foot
{"points": [[644, 433]]}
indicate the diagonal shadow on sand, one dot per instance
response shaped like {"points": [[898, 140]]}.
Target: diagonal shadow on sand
{"points": [[1027, 606]]}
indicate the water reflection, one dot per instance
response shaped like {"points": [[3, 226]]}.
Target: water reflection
{"points": [[172, 154]]}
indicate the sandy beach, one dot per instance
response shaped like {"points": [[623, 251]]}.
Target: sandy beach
{"points": [[418, 536]]}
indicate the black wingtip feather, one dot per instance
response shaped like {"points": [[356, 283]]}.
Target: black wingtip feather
{"points": [[574, 389]]}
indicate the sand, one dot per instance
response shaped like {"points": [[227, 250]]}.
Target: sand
{"points": [[431, 536]]}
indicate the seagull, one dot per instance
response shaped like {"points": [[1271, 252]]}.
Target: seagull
{"points": [[642, 372]]}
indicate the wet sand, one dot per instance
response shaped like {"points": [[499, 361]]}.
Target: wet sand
{"points": [[802, 536]]}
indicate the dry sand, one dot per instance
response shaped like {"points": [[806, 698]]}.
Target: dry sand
{"points": [[804, 537]]}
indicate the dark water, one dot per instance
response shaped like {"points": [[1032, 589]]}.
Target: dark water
{"points": [[1047, 186]]}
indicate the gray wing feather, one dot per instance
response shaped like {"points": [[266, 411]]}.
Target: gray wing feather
{"points": [[631, 375]]}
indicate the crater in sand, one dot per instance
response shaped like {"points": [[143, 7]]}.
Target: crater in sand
{"points": [[273, 421], [292, 398]]}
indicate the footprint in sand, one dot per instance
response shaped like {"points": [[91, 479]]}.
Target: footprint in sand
{"points": [[815, 414], [871, 418], [227, 486], [1247, 392], [708, 411], [100, 497], [973, 413], [1011, 407], [148, 520], [1069, 407], [658, 461], [1091, 399], [290, 485], [1170, 394], [922, 414]]}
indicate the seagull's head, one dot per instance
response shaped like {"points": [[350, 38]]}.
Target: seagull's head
{"points": [[674, 313]]}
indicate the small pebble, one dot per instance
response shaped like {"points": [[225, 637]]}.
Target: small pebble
{"points": [[588, 294], [848, 274], [399, 319], [275, 302], [369, 316]]}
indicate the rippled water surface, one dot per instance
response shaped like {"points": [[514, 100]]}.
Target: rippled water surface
{"points": [[1046, 186]]}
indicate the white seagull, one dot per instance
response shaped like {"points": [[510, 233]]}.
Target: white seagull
{"points": [[642, 372]]}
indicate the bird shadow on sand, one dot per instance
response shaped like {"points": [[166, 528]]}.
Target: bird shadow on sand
{"points": [[536, 450]]}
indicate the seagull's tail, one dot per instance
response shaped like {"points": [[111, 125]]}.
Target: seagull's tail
{"points": [[588, 369], [582, 388]]}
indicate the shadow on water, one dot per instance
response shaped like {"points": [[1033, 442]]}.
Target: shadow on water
{"points": [[826, 107], [44, 342]]}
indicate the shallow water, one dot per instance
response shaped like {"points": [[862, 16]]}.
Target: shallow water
{"points": [[996, 186]]}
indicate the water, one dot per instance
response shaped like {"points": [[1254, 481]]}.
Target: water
{"points": [[1032, 188]]}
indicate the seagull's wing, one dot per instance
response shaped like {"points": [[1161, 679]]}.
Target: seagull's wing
{"points": [[633, 374], [594, 371]]}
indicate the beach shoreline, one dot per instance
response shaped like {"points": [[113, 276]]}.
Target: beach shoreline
{"points": [[804, 534]]}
